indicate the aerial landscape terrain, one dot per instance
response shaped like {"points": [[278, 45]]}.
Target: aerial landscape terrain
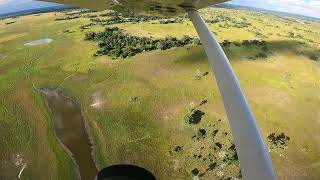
{"points": [[140, 90]]}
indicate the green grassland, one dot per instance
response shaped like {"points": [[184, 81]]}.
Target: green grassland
{"points": [[282, 88]]}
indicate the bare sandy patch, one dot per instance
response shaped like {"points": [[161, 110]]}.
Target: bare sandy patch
{"points": [[39, 42], [97, 100]]}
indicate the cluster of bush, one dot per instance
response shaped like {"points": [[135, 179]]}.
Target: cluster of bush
{"points": [[194, 116], [248, 43], [228, 22], [241, 25], [235, 25], [117, 18], [87, 26], [90, 16], [278, 141], [261, 44], [10, 22], [224, 18], [170, 21], [67, 17], [77, 14], [294, 35], [110, 13], [68, 31], [113, 42], [258, 34], [212, 21], [210, 145], [259, 55], [254, 42], [201, 133], [140, 18], [226, 43], [220, 153], [314, 58], [98, 20]]}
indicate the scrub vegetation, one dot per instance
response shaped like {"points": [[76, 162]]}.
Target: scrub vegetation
{"points": [[115, 43], [157, 104]]}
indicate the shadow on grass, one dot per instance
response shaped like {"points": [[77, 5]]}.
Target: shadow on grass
{"points": [[236, 50]]}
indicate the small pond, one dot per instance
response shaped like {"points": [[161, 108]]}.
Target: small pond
{"points": [[70, 130]]}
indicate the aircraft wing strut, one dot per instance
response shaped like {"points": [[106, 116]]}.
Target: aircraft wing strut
{"points": [[254, 158]]}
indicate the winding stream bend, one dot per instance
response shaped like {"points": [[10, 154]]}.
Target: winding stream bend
{"points": [[70, 130]]}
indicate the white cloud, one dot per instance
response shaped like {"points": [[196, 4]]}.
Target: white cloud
{"points": [[2, 2], [303, 7], [13, 2]]}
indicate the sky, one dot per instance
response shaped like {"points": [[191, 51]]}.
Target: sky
{"points": [[303, 7]]}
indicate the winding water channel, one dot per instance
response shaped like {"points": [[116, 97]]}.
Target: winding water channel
{"points": [[70, 130]]}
